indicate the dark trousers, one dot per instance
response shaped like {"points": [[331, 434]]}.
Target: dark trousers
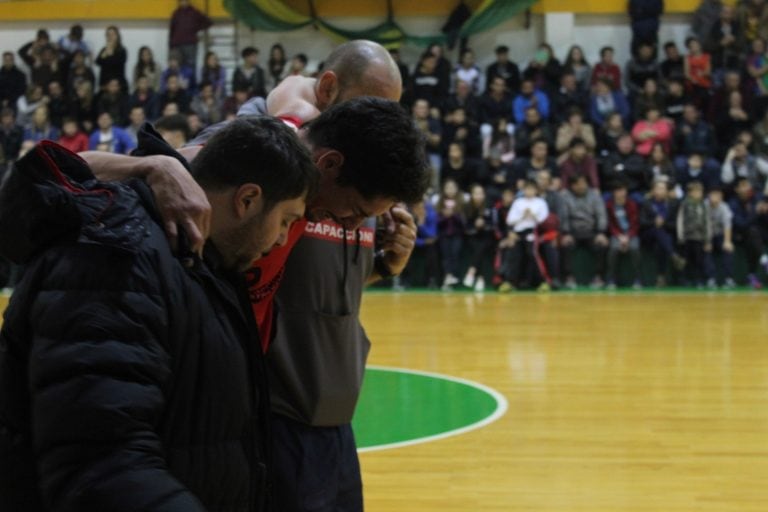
{"points": [[481, 252], [450, 251], [693, 252], [424, 266], [614, 252], [522, 268], [315, 469], [598, 256], [753, 240], [726, 257], [663, 244]]}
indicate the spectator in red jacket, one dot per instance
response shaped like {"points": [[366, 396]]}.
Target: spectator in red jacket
{"points": [[71, 137], [623, 228], [607, 69], [186, 22], [579, 161]]}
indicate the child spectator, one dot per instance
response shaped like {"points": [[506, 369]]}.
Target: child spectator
{"points": [[425, 217], [578, 161], [583, 225], [450, 230], [624, 228], [71, 136], [606, 69], [658, 217], [694, 231], [750, 227], [480, 230], [694, 170], [721, 222], [525, 265]]}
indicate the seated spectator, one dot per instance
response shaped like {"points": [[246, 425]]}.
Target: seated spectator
{"points": [[173, 93], [721, 221], [462, 170], [195, 125], [675, 101], [530, 97], [433, 132], [450, 230], [215, 74], [40, 128], [110, 138], [698, 72], [499, 140], [504, 69], [733, 120], [47, 68], [136, 119], [605, 102], [232, 104], [649, 97], [459, 129], [28, 103], [695, 169], [577, 162], [575, 128], [298, 65], [526, 169], [174, 129], [13, 81], [544, 70], [147, 68], [495, 104], [145, 98], [534, 127], [658, 223], [606, 69], [693, 135], [548, 232], [583, 225], [58, 106], [71, 137], [719, 102], [609, 134], [750, 227], [250, 75], [500, 175], [79, 72], [83, 108], [11, 135], [624, 231], [525, 266], [113, 100], [739, 163], [568, 98], [480, 231], [577, 65], [626, 165], [661, 167], [207, 105], [653, 129], [640, 68], [694, 232], [465, 99], [185, 75], [466, 71], [672, 68]]}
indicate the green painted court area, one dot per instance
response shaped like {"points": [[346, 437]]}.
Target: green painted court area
{"points": [[402, 407]]}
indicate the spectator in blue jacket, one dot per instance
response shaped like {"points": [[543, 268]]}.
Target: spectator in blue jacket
{"points": [[530, 96], [110, 138], [605, 101]]}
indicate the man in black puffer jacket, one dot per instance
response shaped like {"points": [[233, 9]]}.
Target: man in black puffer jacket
{"points": [[131, 378]]}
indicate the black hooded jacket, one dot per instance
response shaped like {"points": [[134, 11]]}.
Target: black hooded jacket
{"points": [[130, 380]]}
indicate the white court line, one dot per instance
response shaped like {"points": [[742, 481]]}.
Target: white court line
{"points": [[501, 409]]}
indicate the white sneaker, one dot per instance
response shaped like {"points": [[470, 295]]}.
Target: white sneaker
{"points": [[729, 284], [712, 283], [469, 280], [480, 285], [450, 280]]}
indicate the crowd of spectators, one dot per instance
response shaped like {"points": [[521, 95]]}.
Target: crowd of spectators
{"points": [[533, 161]]}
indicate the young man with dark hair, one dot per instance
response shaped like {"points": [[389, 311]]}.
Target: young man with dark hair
{"points": [[505, 69], [250, 75], [142, 386]]}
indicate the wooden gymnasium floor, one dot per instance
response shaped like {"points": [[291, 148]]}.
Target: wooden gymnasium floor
{"points": [[647, 402]]}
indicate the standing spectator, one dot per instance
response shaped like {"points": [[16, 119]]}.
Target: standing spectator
{"points": [[112, 59], [109, 137], [30, 53], [651, 130], [568, 97], [13, 82], [145, 97], [79, 72], [577, 64], [606, 101], [173, 94], [186, 22], [215, 74], [112, 99], [72, 137], [640, 68], [626, 165], [426, 82], [645, 15], [505, 69], [58, 106], [608, 70], [442, 68], [698, 72], [658, 217], [757, 70], [68, 45], [147, 67], [40, 127], [575, 128], [694, 232], [673, 66], [721, 222], [83, 107], [544, 69], [526, 169], [425, 217], [725, 35], [583, 225], [530, 96], [432, 130], [250, 75], [47, 68], [750, 227], [467, 71], [649, 97], [276, 64], [624, 230], [479, 229], [28, 103], [740, 164], [206, 105], [450, 230], [695, 169], [704, 19], [525, 265], [11, 135], [578, 161]]}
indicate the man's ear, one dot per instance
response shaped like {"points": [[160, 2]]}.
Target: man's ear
{"points": [[248, 200], [326, 90], [329, 163]]}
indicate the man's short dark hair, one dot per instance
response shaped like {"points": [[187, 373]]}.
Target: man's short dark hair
{"points": [[174, 123], [606, 49], [575, 178], [248, 51], [259, 150], [301, 58], [669, 44], [501, 49], [384, 154]]}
